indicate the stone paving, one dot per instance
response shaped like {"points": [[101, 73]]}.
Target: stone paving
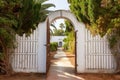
{"points": [[61, 68]]}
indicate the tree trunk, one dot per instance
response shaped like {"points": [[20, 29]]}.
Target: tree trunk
{"points": [[6, 61], [116, 53], [117, 58]]}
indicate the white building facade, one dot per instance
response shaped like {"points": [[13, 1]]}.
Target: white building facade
{"points": [[58, 39]]}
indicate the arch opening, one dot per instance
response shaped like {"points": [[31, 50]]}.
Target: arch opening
{"points": [[78, 29], [65, 39]]}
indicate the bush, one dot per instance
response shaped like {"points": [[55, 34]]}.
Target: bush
{"points": [[65, 46], [53, 46]]}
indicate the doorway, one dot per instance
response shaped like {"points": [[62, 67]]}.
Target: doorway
{"points": [[60, 44], [69, 47]]}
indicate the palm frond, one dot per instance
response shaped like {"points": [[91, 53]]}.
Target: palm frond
{"points": [[46, 6]]}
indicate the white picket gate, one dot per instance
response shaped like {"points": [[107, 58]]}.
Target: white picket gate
{"points": [[98, 56], [25, 57]]}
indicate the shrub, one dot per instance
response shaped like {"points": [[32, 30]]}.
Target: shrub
{"points": [[65, 46], [53, 46]]}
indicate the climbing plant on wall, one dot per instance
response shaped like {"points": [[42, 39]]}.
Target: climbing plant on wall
{"points": [[98, 17], [101, 17]]}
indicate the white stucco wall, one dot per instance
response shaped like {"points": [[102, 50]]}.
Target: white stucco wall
{"points": [[57, 39], [42, 48]]}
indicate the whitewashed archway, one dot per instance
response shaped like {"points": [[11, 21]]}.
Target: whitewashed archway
{"points": [[93, 54], [79, 27]]}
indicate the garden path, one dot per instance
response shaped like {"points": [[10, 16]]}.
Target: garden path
{"points": [[61, 68]]}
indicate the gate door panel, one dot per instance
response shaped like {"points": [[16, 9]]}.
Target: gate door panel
{"points": [[48, 47]]}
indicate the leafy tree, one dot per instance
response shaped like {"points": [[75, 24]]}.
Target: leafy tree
{"points": [[58, 32], [51, 30], [62, 26], [101, 17], [31, 13], [18, 17], [53, 46], [7, 33], [70, 40], [69, 27], [95, 14]]}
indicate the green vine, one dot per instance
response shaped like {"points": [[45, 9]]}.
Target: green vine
{"points": [[101, 17]]}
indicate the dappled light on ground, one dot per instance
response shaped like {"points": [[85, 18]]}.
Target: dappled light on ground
{"points": [[62, 69], [68, 75]]}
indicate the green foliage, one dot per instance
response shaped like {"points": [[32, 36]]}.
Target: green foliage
{"points": [[97, 16], [101, 17], [7, 20], [53, 46], [114, 38], [30, 14], [58, 32], [70, 40], [7, 33], [8, 37], [28, 11], [65, 46], [51, 30], [62, 26], [19, 17], [23, 15], [69, 27]]}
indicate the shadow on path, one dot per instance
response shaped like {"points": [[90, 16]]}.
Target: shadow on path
{"points": [[61, 68]]}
